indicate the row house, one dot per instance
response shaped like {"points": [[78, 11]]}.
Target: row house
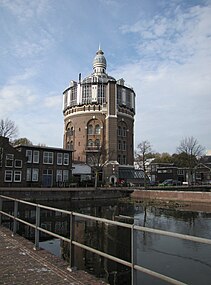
{"points": [[34, 166], [12, 165]]}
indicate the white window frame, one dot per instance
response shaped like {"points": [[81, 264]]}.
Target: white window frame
{"points": [[66, 159], [65, 175], [36, 156], [18, 166], [5, 175], [29, 155], [35, 174], [58, 175], [17, 175], [47, 157], [59, 158], [9, 158], [28, 174]]}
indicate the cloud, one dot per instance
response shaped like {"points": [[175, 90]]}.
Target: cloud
{"points": [[173, 39], [15, 97], [171, 76], [26, 10], [53, 101]]}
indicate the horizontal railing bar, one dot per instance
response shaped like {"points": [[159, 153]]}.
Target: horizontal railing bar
{"points": [[20, 201], [175, 235], [53, 209], [129, 264], [53, 234], [6, 214], [158, 275], [106, 221], [25, 222], [139, 228], [111, 257]]}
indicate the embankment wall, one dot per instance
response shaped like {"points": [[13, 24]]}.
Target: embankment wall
{"points": [[181, 196]]}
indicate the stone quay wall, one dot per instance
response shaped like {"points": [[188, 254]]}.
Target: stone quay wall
{"points": [[165, 195], [55, 194]]}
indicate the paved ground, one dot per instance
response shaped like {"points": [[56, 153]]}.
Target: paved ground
{"points": [[21, 265]]}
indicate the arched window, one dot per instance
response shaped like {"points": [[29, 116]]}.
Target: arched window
{"points": [[97, 129], [124, 132], [119, 131], [90, 129]]}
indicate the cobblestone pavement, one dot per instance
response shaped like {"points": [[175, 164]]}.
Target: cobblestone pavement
{"points": [[21, 265]]}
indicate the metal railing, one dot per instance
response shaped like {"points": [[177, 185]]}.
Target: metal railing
{"points": [[71, 240]]}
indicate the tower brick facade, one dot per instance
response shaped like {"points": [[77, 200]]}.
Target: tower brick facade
{"points": [[99, 121]]}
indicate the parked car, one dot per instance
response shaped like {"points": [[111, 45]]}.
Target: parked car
{"points": [[170, 182]]}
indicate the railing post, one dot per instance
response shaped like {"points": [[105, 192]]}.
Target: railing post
{"points": [[15, 216], [37, 232], [132, 256], [72, 234], [1, 204]]}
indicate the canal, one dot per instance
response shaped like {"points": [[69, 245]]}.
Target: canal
{"points": [[187, 261]]}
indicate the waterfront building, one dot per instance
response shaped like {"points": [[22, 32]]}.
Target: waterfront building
{"points": [[99, 122], [34, 166], [12, 165], [46, 166]]}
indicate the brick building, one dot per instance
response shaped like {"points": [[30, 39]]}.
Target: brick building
{"points": [[12, 165], [99, 121], [34, 166], [46, 166]]}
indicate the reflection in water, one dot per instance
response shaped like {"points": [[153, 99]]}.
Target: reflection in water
{"points": [[186, 261]]}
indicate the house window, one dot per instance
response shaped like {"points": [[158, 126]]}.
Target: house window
{"points": [[35, 174], [48, 157], [58, 175], [36, 155], [29, 155], [124, 160], [65, 175], [66, 158], [124, 132], [17, 176], [9, 160], [59, 158], [8, 176], [119, 158], [28, 174], [18, 163], [119, 131]]}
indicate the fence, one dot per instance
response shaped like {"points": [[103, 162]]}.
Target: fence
{"points": [[72, 242]]}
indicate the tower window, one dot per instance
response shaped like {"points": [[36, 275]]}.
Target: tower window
{"points": [[97, 142], [90, 129], [97, 129], [90, 143]]}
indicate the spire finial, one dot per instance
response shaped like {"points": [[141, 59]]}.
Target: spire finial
{"points": [[99, 47]]}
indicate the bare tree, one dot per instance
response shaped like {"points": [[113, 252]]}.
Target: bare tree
{"points": [[8, 128], [190, 147], [143, 154], [23, 141]]}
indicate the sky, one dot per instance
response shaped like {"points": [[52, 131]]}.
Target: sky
{"points": [[161, 48]]}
